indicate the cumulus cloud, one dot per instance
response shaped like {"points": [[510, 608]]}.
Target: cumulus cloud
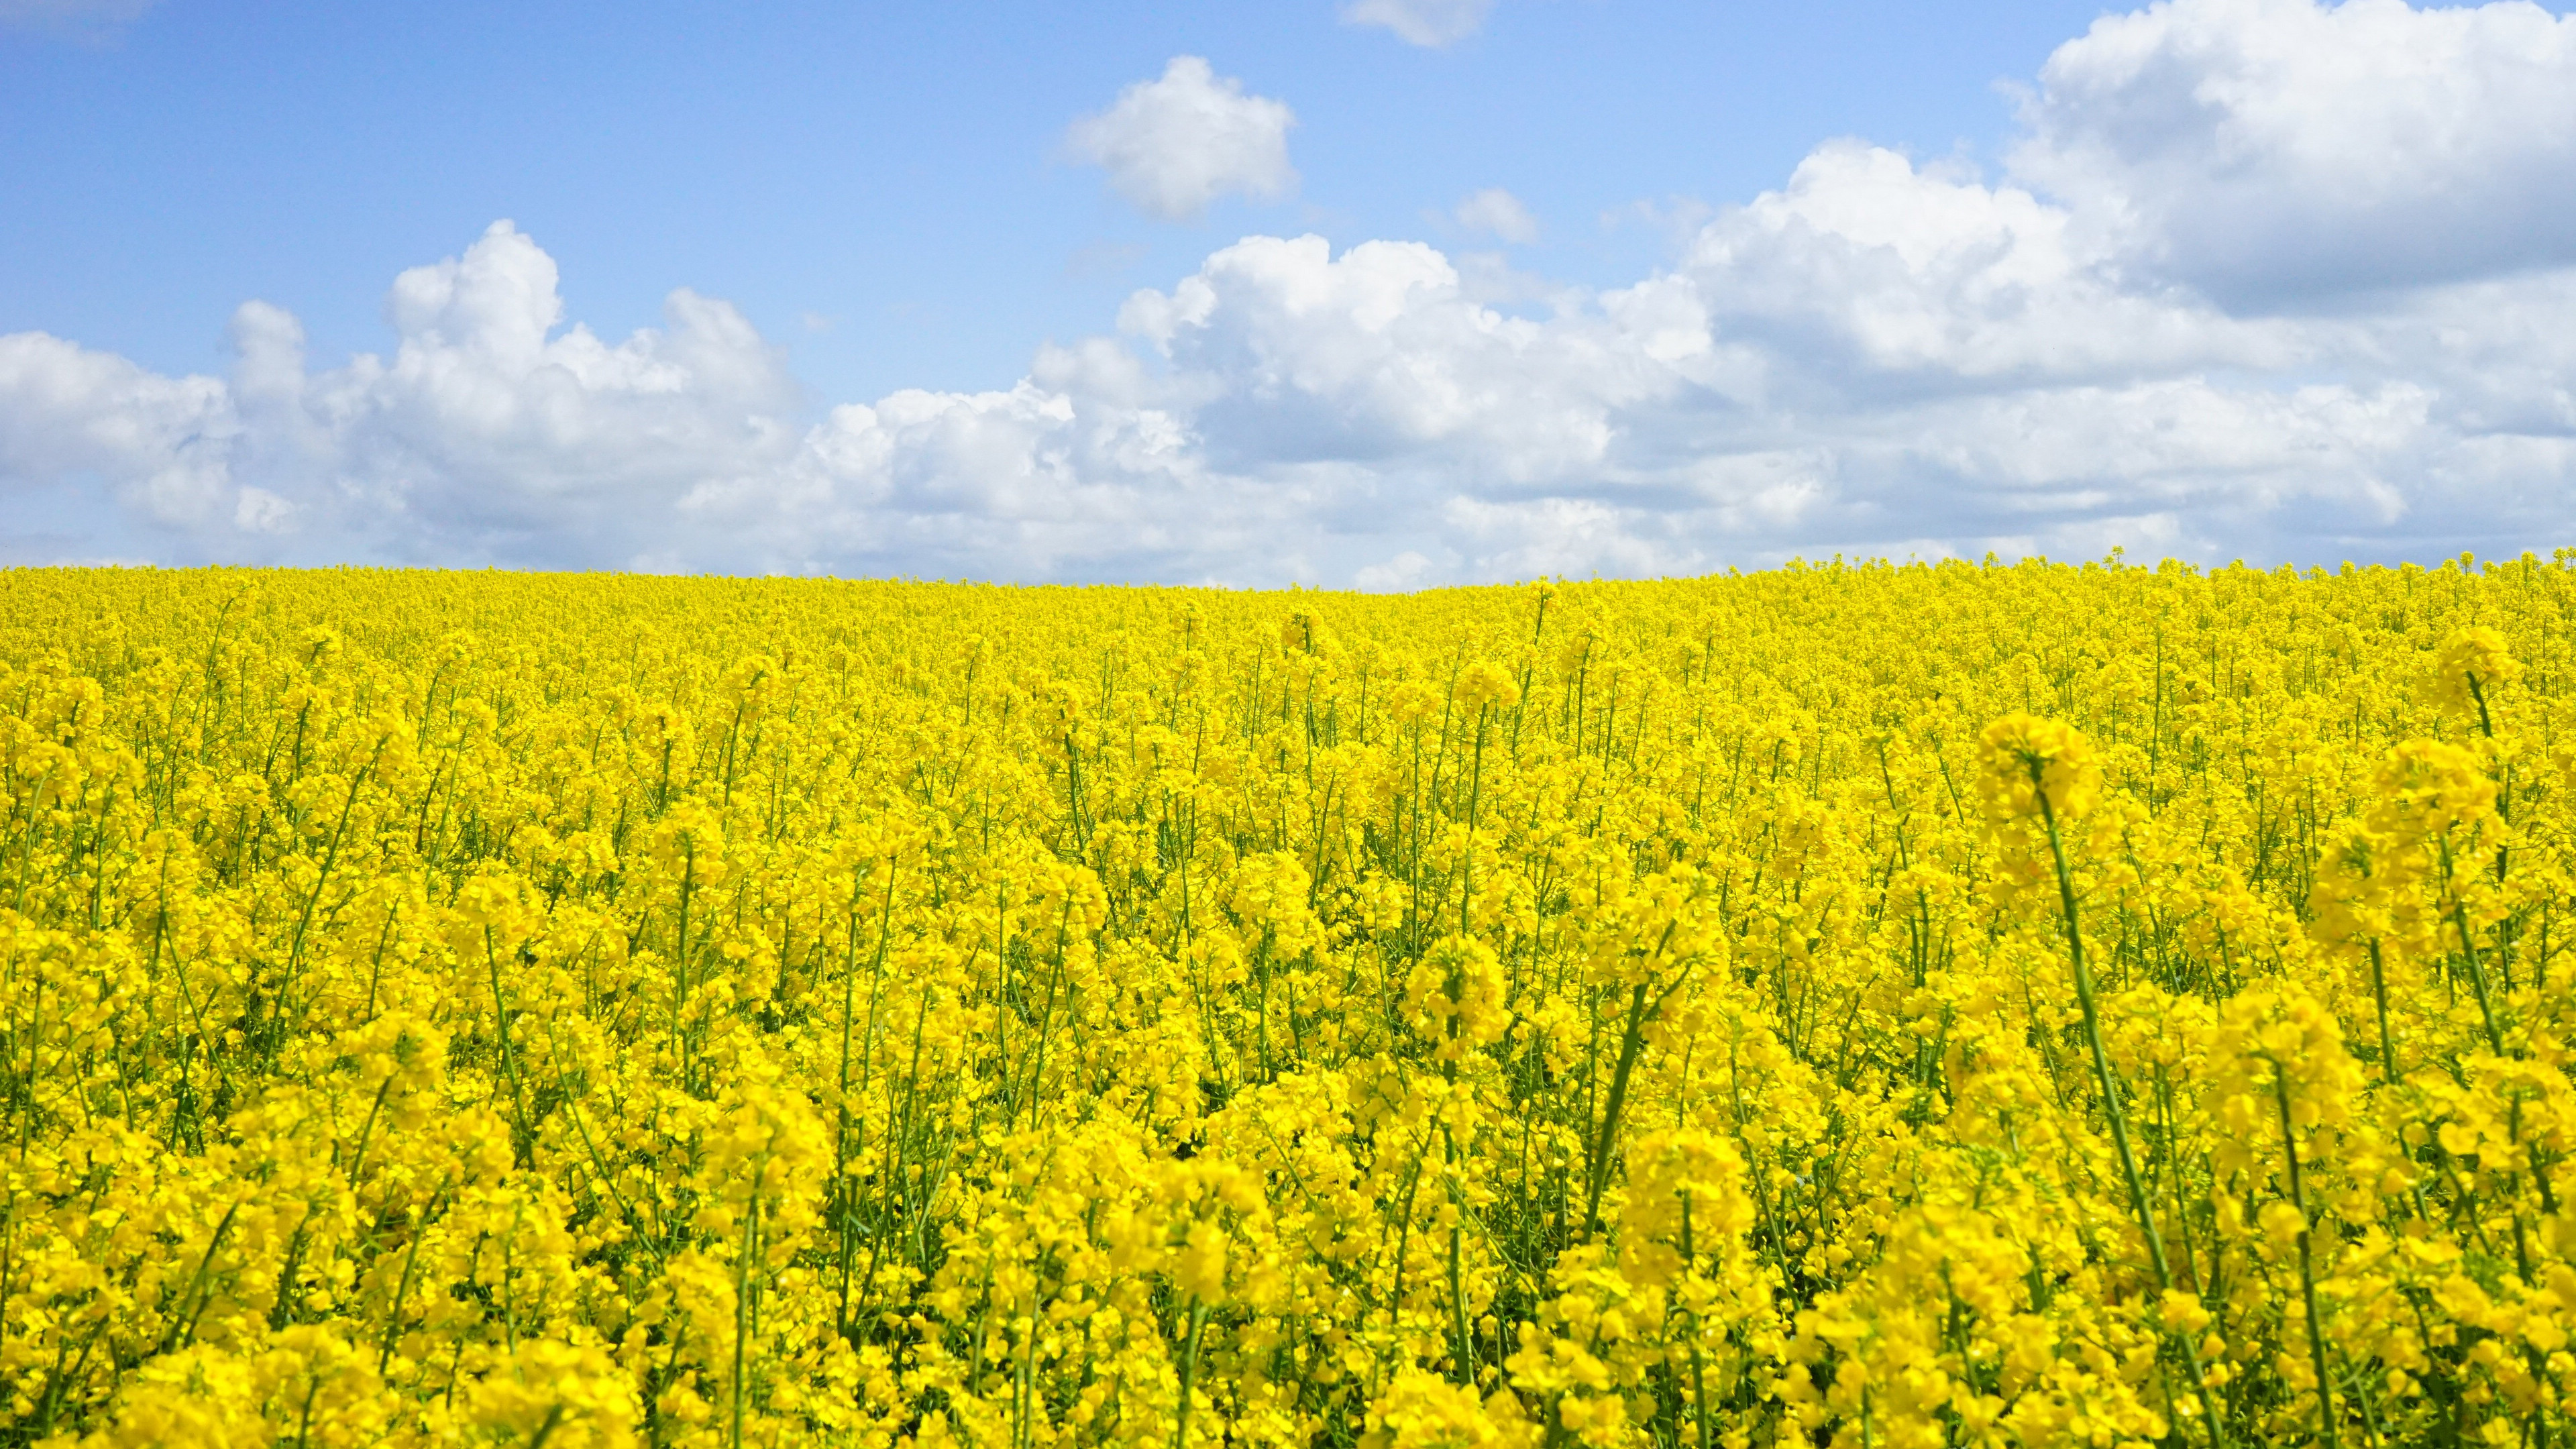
{"points": [[1876, 357], [1866, 270], [490, 432], [1378, 356], [1422, 22], [1497, 213], [162, 445], [1175, 144], [2270, 152]]}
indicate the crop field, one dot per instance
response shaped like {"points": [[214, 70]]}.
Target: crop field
{"points": [[1836, 1005]]}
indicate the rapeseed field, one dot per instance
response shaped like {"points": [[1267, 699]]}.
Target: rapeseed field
{"points": [[1837, 1005]]}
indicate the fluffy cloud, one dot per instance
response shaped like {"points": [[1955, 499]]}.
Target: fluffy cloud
{"points": [[1871, 272], [1497, 213], [1175, 144], [1423, 22], [1378, 357], [2272, 151], [1877, 357], [488, 434], [1881, 359]]}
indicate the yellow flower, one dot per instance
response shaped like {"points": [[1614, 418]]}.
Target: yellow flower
{"points": [[491, 1008], [1455, 994], [1484, 685], [2471, 669], [1422, 1411], [2023, 759]]}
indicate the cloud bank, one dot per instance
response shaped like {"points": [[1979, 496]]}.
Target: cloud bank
{"points": [[2196, 315]]}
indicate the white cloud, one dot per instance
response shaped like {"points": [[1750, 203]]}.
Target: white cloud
{"points": [[1173, 145], [1876, 357], [1376, 356], [491, 429], [1497, 213], [1872, 356], [2268, 151], [161, 445], [260, 511], [1864, 265], [1404, 571], [1423, 22], [489, 433]]}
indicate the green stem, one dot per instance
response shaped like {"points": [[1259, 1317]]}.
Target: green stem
{"points": [[2111, 1092], [1631, 1041], [2307, 1265], [1189, 1374], [2379, 997]]}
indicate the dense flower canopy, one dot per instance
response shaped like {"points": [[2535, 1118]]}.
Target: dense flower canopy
{"points": [[1867, 1005]]}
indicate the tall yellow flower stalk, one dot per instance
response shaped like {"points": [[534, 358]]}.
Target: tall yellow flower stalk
{"points": [[2038, 772]]}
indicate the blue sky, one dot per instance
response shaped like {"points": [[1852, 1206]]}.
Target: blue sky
{"points": [[895, 170], [1760, 280]]}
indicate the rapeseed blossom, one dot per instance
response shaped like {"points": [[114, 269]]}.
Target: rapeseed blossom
{"points": [[1936, 1005]]}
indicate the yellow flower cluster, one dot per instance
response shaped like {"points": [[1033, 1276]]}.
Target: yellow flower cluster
{"points": [[1947, 1005]]}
